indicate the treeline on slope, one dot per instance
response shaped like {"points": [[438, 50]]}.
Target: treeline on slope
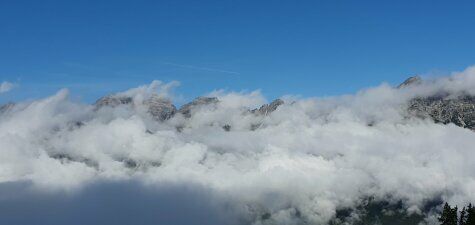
{"points": [[373, 211], [387, 213], [451, 215]]}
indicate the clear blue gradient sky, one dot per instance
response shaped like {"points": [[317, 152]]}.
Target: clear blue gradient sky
{"points": [[308, 48]]}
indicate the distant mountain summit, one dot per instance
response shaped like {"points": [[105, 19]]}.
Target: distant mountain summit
{"points": [[187, 108], [441, 107], [112, 101], [162, 109], [159, 108], [268, 108], [411, 81]]}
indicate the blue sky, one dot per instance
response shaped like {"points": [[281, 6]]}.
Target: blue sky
{"points": [[308, 48]]}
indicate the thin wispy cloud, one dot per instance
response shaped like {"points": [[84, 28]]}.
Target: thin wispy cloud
{"points": [[200, 68], [6, 87]]}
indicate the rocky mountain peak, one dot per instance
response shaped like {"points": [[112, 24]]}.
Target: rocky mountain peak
{"points": [[441, 107], [268, 108], [113, 101], [410, 81], [160, 108], [186, 108]]}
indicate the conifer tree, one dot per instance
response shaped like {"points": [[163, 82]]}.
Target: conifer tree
{"points": [[448, 216], [470, 218], [463, 217]]}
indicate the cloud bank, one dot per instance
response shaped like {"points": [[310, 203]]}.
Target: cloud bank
{"points": [[306, 160]]}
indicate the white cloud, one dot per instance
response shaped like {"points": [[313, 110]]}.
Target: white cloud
{"points": [[312, 156], [6, 86]]}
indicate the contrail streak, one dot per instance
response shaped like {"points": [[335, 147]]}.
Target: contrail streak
{"points": [[201, 68]]}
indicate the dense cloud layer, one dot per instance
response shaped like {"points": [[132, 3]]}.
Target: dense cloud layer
{"points": [[297, 164]]}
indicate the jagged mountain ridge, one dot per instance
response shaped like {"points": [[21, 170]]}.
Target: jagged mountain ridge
{"points": [[159, 108], [268, 108], [197, 102], [162, 109], [410, 81], [441, 107]]}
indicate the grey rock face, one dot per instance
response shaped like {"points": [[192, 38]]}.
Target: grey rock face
{"points": [[441, 107], [112, 101], [161, 109], [265, 110], [410, 81], [459, 111], [186, 109], [268, 108]]}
